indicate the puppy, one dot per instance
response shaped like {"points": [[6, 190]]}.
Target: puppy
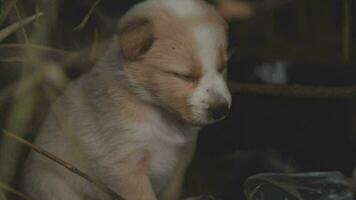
{"points": [[132, 121]]}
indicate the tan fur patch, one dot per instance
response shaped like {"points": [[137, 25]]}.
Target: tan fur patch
{"points": [[135, 38], [132, 109]]}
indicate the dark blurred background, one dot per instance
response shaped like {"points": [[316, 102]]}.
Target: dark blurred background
{"points": [[285, 42]]}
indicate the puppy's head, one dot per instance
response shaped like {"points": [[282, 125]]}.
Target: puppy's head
{"points": [[174, 53]]}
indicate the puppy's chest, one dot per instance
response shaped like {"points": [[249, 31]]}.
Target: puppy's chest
{"points": [[162, 166], [164, 144]]}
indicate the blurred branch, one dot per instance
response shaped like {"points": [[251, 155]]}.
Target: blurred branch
{"points": [[20, 112], [296, 91], [63, 163], [14, 27], [86, 18], [13, 191]]}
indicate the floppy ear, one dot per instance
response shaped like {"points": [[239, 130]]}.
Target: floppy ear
{"points": [[136, 37]]}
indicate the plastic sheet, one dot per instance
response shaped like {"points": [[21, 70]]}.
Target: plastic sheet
{"points": [[302, 186]]}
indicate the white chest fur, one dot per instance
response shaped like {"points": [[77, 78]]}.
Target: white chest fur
{"points": [[164, 141], [162, 166]]}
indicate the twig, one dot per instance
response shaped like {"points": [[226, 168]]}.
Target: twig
{"points": [[14, 27], [63, 163], [86, 18], [24, 33], [7, 188]]}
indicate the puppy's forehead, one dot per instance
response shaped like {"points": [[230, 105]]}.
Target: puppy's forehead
{"points": [[205, 28], [207, 46], [184, 8]]}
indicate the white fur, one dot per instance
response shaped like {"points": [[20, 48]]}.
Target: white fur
{"points": [[208, 41], [163, 140], [183, 8]]}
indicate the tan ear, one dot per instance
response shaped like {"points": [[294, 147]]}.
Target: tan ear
{"points": [[136, 37]]}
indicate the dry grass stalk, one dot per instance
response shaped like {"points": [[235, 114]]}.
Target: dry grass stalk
{"points": [[14, 27], [63, 163], [86, 18], [9, 189]]}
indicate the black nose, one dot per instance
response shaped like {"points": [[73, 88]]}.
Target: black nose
{"points": [[219, 112]]}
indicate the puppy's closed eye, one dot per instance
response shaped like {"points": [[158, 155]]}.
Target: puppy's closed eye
{"points": [[185, 77]]}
